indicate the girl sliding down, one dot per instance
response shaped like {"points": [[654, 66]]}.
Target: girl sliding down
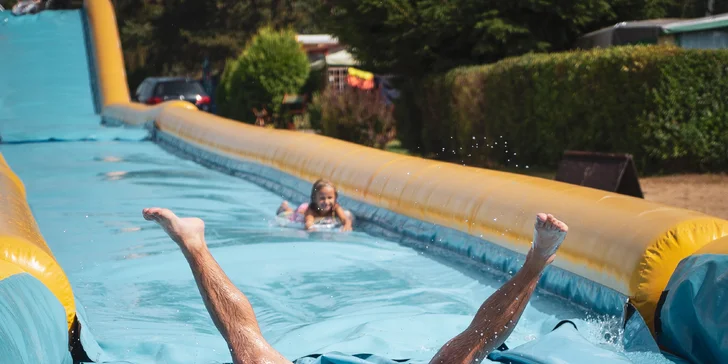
{"points": [[323, 208]]}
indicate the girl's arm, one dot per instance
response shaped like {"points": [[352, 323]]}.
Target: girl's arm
{"points": [[308, 220], [344, 219]]}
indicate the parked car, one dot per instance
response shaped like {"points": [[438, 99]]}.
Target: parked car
{"points": [[154, 90]]}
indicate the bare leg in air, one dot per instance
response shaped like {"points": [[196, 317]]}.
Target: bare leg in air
{"points": [[234, 317], [499, 314], [229, 309]]}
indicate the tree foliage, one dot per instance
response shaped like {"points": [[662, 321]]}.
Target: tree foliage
{"points": [[417, 37], [354, 115], [173, 37], [165, 37], [272, 65]]}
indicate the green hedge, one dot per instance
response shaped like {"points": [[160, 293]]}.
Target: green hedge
{"points": [[665, 105]]}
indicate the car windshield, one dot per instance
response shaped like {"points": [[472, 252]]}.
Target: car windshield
{"points": [[180, 88]]}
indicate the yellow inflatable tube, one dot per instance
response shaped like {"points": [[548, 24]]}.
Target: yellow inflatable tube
{"points": [[22, 248], [109, 66], [719, 246], [138, 114], [627, 244], [109, 60]]}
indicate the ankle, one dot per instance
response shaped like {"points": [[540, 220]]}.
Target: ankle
{"points": [[193, 246], [537, 262]]}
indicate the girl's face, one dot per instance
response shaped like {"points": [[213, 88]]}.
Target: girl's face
{"points": [[325, 198]]}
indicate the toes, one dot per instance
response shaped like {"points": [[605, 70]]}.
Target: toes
{"points": [[152, 213], [563, 226], [549, 222], [557, 224], [164, 215]]}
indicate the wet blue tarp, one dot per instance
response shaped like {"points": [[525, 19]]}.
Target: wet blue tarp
{"points": [[565, 344], [550, 349], [693, 320], [33, 325], [340, 358]]}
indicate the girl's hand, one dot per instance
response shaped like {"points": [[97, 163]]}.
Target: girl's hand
{"points": [[341, 214]]}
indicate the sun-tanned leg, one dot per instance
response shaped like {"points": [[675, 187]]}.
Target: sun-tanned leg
{"points": [[234, 317], [229, 309], [497, 317]]}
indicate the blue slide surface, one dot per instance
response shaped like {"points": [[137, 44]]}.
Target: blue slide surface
{"points": [[46, 79]]}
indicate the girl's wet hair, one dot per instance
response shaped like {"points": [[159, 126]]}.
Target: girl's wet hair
{"points": [[317, 186]]}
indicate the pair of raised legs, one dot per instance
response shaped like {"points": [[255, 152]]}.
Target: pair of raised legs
{"points": [[234, 317]]}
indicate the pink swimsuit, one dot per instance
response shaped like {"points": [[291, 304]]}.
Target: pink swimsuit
{"points": [[300, 214]]}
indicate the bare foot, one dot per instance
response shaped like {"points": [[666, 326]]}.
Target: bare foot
{"points": [[548, 235], [283, 208], [188, 232]]}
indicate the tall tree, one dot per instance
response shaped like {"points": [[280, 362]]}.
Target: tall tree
{"points": [[416, 37], [172, 37]]}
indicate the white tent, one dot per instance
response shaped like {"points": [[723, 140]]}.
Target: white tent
{"points": [[341, 58], [316, 39]]}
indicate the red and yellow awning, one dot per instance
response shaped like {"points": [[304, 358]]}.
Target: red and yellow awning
{"points": [[360, 79]]}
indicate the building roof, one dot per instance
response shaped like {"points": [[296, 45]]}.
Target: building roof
{"points": [[648, 30], [624, 33], [316, 39], [341, 58], [650, 23], [693, 25]]}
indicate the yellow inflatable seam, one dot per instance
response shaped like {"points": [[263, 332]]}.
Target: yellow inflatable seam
{"points": [[8, 173], [18, 220], [110, 70], [8, 270], [27, 257], [662, 257], [719, 246], [22, 245]]}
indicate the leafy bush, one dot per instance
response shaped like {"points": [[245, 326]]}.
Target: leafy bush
{"points": [[353, 115], [664, 105], [316, 82], [272, 65], [314, 111]]}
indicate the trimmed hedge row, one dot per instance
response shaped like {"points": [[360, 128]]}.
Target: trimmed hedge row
{"points": [[665, 105]]}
